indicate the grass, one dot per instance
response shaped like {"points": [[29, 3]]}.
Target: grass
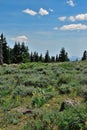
{"points": [[41, 88]]}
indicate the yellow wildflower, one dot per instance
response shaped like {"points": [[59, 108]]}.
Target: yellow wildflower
{"points": [[86, 123]]}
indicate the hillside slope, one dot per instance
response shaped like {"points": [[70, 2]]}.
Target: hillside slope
{"points": [[32, 94]]}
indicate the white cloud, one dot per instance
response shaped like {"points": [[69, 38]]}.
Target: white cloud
{"points": [[78, 17], [71, 3], [72, 18], [21, 38], [81, 17], [62, 18], [55, 28], [74, 27], [43, 12], [30, 12], [51, 10]]}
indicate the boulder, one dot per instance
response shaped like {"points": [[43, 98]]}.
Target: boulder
{"points": [[68, 103]]}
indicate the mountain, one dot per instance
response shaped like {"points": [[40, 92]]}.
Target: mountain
{"points": [[74, 58]]}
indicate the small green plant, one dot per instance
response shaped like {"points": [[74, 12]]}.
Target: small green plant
{"points": [[38, 101]]}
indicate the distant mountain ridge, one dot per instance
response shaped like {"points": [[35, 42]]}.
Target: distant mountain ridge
{"points": [[74, 58]]}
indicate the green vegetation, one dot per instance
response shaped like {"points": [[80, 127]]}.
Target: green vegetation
{"points": [[31, 95]]}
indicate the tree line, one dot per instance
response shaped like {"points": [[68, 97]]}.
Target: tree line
{"points": [[20, 54]]}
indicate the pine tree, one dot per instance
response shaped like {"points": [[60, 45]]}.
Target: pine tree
{"points": [[84, 55], [47, 57], [57, 58], [36, 57], [20, 53], [63, 56], [41, 58], [24, 53], [4, 51], [52, 59], [1, 50], [31, 57]]}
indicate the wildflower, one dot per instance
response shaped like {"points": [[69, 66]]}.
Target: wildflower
{"points": [[86, 123]]}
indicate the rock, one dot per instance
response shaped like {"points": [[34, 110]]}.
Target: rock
{"points": [[24, 110], [68, 103], [4, 65]]}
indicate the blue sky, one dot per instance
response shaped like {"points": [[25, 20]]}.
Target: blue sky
{"points": [[46, 25]]}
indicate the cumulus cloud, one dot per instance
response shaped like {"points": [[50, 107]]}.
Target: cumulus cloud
{"points": [[30, 12], [72, 18], [51, 10], [43, 12], [81, 17], [62, 18], [74, 27], [78, 17], [71, 3], [55, 28], [21, 38]]}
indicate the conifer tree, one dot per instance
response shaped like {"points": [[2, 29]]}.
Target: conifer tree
{"points": [[41, 58], [52, 59], [84, 55], [31, 57], [47, 57], [57, 58], [36, 57], [63, 56], [20, 53], [4, 50]]}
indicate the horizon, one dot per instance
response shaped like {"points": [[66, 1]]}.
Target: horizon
{"points": [[46, 25]]}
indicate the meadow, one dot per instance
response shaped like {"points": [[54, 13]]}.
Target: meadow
{"points": [[32, 94]]}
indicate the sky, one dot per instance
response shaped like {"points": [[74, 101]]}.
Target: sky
{"points": [[46, 25]]}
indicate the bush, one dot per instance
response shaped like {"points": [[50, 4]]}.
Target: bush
{"points": [[38, 101], [73, 118], [84, 93], [83, 80], [64, 79], [42, 121], [64, 89], [23, 91], [10, 118]]}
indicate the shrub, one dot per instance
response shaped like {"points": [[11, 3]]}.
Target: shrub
{"points": [[64, 79], [42, 121], [10, 118], [84, 93], [10, 70], [83, 80], [64, 89], [41, 96], [23, 91], [73, 118]]}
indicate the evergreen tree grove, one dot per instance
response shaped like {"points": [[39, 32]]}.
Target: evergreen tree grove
{"points": [[20, 53]]}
